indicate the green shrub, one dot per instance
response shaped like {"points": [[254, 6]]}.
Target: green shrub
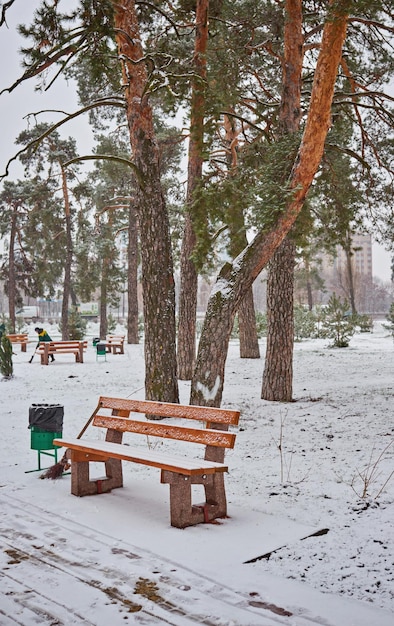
{"points": [[304, 323], [261, 323], [261, 326], [337, 324], [365, 323], [111, 324], [6, 366], [76, 325], [390, 319]]}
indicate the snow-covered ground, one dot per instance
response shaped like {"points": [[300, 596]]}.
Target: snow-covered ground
{"points": [[298, 469]]}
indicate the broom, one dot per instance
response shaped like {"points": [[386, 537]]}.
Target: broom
{"points": [[57, 470]]}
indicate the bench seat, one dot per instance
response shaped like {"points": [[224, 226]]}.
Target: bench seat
{"points": [[206, 426], [135, 454]]}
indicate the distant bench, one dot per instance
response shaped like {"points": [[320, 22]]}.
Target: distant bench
{"points": [[180, 472], [115, 344], [22, 338], [46, 348]]}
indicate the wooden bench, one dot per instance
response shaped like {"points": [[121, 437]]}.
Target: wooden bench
{"points": [[115, 344], [22, 338], [46, 348], [206, 426]]}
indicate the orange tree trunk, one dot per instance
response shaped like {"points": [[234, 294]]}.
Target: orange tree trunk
{"points": [[235, 278], [156, 257]]}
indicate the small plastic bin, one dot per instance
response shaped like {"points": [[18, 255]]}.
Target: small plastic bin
{"points": [[101, 350]]}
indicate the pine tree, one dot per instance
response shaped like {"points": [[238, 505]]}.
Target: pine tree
{"points": [[6, 366], [390, 319], [338, 323]]}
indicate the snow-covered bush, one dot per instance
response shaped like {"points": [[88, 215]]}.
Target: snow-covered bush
{"points": [[304, 323], [337, 323], [390, 319]]}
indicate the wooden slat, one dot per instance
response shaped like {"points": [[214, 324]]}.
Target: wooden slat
{"points": [[18, 338], [168, 409], [219, 438], [105, 449]]}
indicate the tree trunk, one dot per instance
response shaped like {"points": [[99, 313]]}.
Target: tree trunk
{"points": [[11, 270], [187, 304], [248, 339], [350, 276], [156, 255], [189, 277], [68, 258], [278, 371], [132, 277], [234, 279], [103, 298], [308, 285]]}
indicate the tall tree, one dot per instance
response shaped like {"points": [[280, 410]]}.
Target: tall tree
{"points": [[188, 271], [278, 369], [29, 222], [50, 158], [157, 264], [235, 278]]}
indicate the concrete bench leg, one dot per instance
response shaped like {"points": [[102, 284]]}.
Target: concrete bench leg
{"points": [[81, 485], [183, 513]]}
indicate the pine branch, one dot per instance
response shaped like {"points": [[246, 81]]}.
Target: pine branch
{"points": [[69, 116], [4, 9]]}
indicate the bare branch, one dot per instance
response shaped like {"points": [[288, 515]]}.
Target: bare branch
{"points": [[4, 8], [109, 157]]}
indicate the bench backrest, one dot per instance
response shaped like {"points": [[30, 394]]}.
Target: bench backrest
{"points": [[63, 344], [212, 431], [18, 337]]}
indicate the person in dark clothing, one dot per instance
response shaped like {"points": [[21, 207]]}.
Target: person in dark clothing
{"points": [[43, 336]]}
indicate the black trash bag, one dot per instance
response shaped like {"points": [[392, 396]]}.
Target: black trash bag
{"points": [[47, 416]]}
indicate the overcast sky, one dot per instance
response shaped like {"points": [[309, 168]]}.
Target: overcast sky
{"points": [[26, 99]]}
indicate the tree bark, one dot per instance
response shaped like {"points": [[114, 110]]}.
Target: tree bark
{"points": [[248, 338], [189, 277], [278, 371], [156, 255], [350, 275], [103, 300], [132, 277], [11, 269], [68, 258], [234, 279]]}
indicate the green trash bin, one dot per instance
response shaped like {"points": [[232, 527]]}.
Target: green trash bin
{"points": [[45, 424], [101, 350]]}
